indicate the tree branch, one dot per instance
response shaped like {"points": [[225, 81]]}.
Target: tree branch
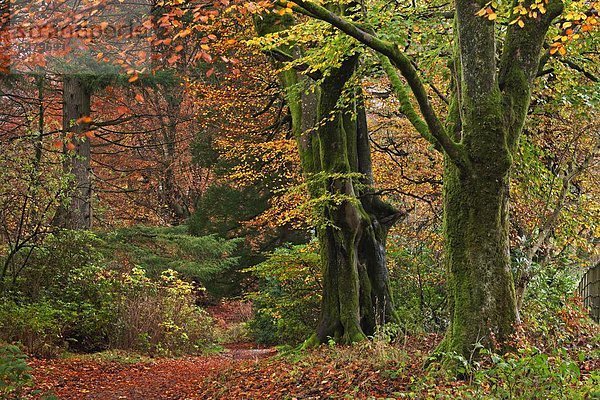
{"points": [[579, 68], [454, 150]]}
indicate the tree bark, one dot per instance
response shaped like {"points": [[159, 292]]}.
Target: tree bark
{"points": [[482, 306], [77, 214], [356, 294]]}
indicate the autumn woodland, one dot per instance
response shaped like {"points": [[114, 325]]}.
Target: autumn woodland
{"points": [[299, 199]]}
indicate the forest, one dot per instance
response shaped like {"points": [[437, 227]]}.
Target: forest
{"points": [[299, 199]]}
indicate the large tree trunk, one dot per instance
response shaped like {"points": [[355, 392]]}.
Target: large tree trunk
{"points": [[489, 107], [482, 306], [77, 214], [356, 293], [334, 150]]}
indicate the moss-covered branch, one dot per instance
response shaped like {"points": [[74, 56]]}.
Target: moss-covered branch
{"points": [[406, 107], [520, 63], [406, 68]]}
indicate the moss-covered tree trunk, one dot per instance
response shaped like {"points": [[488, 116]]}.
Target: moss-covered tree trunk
{"points": [[489, 105], [334, 149], [482, 306], [77, 214], [356, 295], [487, 115]]}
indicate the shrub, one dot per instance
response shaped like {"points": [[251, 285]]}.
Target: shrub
{"points": [[160, 317], [38, 327], [14, 372], [71, 298], [50, 267], [531, 374], [204, 259], [286, 307]]}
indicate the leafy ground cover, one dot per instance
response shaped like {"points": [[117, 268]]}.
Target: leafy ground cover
{"points": [[370, 371], [378, 369]]}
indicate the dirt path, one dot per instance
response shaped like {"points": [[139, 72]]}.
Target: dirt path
{"points": [[160, 379]]}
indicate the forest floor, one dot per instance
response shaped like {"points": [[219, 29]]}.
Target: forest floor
{"points": [[242, 372], [114, 375], [373, 370]]}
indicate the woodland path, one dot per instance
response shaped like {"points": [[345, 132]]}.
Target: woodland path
{"points": [[183, 378], [163, 378]]}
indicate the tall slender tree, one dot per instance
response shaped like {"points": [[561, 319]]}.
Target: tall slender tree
{"points": [[77, 214]]}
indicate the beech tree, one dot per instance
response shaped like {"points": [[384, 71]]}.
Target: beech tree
{"points": [[492, 74], [353, 221]]}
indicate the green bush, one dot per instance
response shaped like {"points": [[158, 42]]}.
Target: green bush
{"points": [[62, 298], [530, 374], [286, 306], [39, 327], [50, 266], [203, 259], [14, 372], [70, 297]]}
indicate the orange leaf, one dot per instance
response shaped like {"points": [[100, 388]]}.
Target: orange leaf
{"points": [[86, 119], [139, 98]]}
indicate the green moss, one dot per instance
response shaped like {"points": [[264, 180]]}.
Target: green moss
{"points": [[483, 305]]}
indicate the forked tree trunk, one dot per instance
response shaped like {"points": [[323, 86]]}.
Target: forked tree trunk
{"points": [[77, 214], [334, 150]]}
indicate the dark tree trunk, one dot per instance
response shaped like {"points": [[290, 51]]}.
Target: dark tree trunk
{"points": [[169, 190], [77, 214]]}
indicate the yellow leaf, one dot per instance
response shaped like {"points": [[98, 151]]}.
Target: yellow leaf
{"points": [[521, 23]]}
